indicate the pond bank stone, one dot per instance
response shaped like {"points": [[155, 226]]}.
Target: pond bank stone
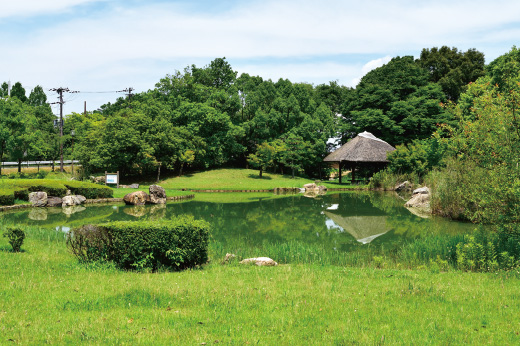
{"points": [[54, 202], [71, 200], [136, 198], [38, 199], [157, 194]]}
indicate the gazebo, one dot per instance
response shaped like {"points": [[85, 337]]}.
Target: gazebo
{"points": [[364, 149]]}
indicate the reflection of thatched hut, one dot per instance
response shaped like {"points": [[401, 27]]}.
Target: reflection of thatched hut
{"points": [[365, 149], [363, 228]]}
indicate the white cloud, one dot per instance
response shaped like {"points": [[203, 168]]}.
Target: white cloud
{"points": [[369, 66], [135, 46], [26, 8]]}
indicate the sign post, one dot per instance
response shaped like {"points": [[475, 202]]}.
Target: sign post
{"points": [[112, 178]]}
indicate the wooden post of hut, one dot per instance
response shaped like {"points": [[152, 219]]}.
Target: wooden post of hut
{"points": [[364, 149]]}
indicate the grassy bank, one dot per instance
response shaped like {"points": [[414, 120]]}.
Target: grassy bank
{"points": [[240, 179], [46, 296]]}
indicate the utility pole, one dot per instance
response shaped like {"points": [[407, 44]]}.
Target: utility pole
{"points": [[129, 95], [60, 92]]}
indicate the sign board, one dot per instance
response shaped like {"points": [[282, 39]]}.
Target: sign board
{"points": [[112, 178]]}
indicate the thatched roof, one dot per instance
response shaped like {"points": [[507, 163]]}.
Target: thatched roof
{"points": [[363, 228], [364, 148]]}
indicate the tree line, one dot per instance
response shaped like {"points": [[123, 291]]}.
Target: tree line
{"points": [[208, 117]]}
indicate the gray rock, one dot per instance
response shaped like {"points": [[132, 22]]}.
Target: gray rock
{"points": [[310, 186], [38, 199], [422, 190], [419, 200], [136, 198], [133, 186], [157, 194], [259, 261], [54, 202], [72, 200]]}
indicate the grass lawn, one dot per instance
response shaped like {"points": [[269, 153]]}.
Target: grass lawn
{"points": [[239, 179], [47, 297]]}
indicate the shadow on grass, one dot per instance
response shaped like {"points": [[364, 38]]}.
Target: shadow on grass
{"points": [[10, 249], [256, 176]]}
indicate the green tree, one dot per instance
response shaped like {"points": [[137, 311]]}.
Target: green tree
{"points": [[18, 91], [263, 157], [452, 69]]}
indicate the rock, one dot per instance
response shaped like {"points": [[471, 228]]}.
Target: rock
{"points": [[38, 199], [228, 258], [419, 200], [136, 198], [54, 202], [97, 180], [133, 186], [259, 261], [38, 214], [310, 186], [72, 200], [322, 188], [157, 194], [404, 186], [422, 190]]}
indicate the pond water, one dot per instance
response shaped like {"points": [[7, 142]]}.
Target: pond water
{"points": [[337, 221]]}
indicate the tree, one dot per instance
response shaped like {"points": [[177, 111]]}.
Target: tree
{"points": [[11, 125], [19, 92], [396, 103], [451, 69], [37, 97], [263, 157]]}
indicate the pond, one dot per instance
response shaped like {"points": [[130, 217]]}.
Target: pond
{"points": [[336, 221]]}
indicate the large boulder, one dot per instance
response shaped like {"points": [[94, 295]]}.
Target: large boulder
{"points": [[38, 199], [136, 198], [157, 194], [310, 186], [259, 261], [72, 200], [54, 202], [420, 198]]}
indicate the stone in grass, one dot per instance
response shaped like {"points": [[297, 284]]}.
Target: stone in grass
{"points": [[38, 199], [136, 198], [259, 261], [228, 258], [157, 194]]}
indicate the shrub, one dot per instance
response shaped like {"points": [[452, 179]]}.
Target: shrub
{"points": [[172, 244], [6, 196], [89, 190], [16, 237], [480, 251]]}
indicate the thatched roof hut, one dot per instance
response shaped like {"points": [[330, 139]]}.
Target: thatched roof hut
{"points": [[364, 148]]}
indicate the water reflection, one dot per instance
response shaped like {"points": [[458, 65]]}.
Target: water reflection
{"points": [[336, 221]]}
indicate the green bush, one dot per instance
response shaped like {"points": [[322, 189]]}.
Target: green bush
{"points": [[480, 251], [16, 237], [7, 196], [89, 190], [144, 245]]}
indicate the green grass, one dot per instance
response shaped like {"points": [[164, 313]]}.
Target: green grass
{"points": [[239, 179], [46, 296]]}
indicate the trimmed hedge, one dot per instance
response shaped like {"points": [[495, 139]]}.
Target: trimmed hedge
{"points": [[20, 189], [172, 244]]}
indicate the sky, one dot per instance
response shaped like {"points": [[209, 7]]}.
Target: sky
{"points": [[98, 47]]}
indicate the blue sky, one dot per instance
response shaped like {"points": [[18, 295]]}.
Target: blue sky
{"points": [[109, 45]]}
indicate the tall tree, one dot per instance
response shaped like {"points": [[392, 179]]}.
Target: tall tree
{"points": [[452, 69], [19, 92]]}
